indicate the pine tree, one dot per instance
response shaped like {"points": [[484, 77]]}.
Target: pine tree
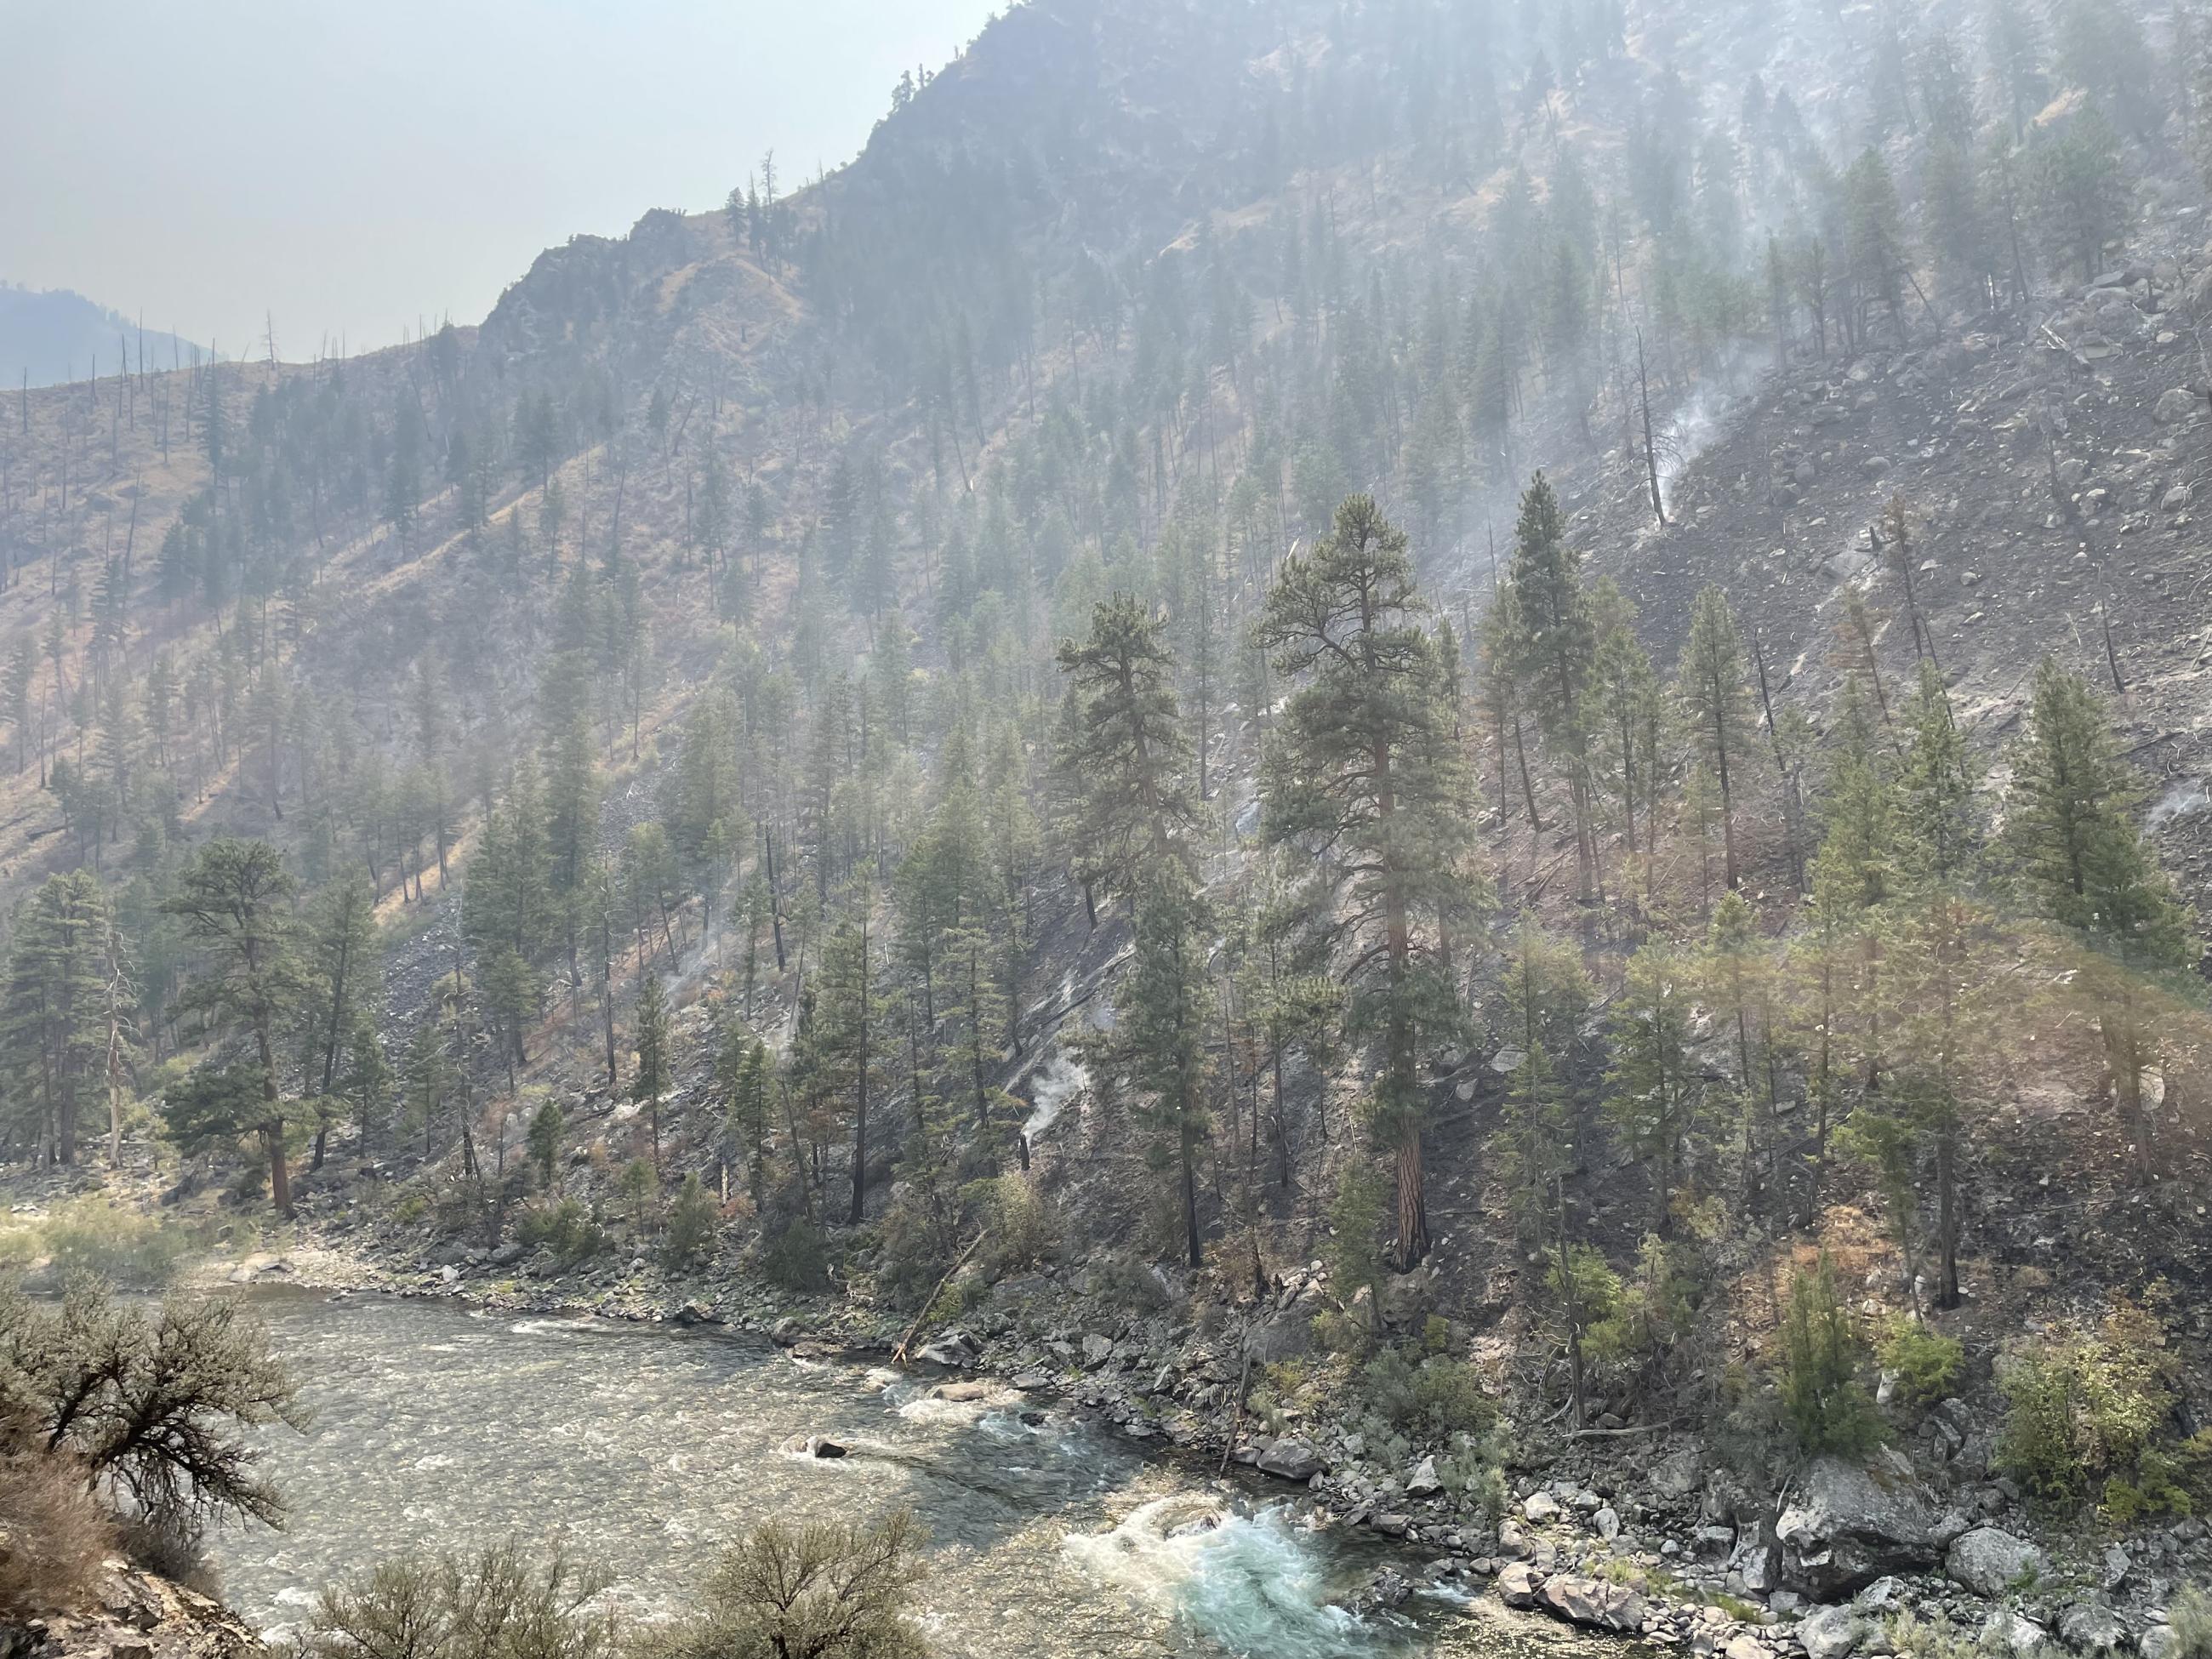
{"points": [[651, 1079], [852, 1041], [1365, 774], [234, 899], [1127, 744], [65, 1011], [2072, 827], [1161, 1033], [1553, 648], [1714, 691], [1655, 1088]]}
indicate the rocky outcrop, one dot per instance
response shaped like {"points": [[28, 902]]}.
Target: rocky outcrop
{"points": [[136, 1616], [1850, 1523]]}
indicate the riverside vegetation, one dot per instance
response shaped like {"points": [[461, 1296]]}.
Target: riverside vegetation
{"points": [[1465, 757]]}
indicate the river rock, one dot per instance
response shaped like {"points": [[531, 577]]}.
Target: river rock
{"points": [[1594, 1601], [1607, 1522], [2178, 403], [1423, 1482], [1833, 1632], [2158, 1642], [1541, 1509], [822, 1446], [1097, 1349], [1518, 1584], [956, 1350], [1850, 1523], [1290, 1459], [1511, 1540], [1989, 1561]]}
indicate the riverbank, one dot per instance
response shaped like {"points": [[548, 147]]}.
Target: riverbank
{"points": [[1641, 1534]]}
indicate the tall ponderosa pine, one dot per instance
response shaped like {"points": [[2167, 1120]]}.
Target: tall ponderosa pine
{"points": [[65, 1019], [1366, 778]]}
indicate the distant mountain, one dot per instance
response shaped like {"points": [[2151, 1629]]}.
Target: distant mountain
{"points": [[57, 335]]}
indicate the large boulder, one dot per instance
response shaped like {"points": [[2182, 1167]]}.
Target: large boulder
{"points": [[1850, 1523], [1595, 1601], [1518, 1583], [1989, 1561], [2175, 403], [1833, 1632], [1290, 1459], [2091, 1627]]}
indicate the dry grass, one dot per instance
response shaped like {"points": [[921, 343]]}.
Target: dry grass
{"points": [[53, 1536]]}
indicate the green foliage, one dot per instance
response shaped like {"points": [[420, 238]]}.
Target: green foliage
{"points": [[2086, 1419], [1928, 1365], [694, 1219], [798, 1258], [95, 1235], [1022, 1230], [1827, 1408], [1434, 1396], [2190, 1614], [1353, 1253], [639, 1183], [564, 1228]]}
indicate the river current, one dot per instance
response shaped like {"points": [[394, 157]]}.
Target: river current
{"points": [[642, 1449]]}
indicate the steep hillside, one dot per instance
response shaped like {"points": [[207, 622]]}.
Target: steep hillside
{"points": [[926, 749], [49, 336]]}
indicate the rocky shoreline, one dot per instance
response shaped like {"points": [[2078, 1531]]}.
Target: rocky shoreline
{"points": [[1640, 1535]]}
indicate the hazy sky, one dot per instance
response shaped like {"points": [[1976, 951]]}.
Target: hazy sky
{"points": [[349, 166]]}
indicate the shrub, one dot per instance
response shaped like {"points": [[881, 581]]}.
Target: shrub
{"points": [[827, 1590], [92, 1235], [1438, 1396], [1828, 1406], [496, 1604], [692, 1223], [798, 1259], [1017, 1220], [53, 1535], [2086, 1415], [2190, 1614], [150, 1403], [565, 1229], [1928, 1363]]}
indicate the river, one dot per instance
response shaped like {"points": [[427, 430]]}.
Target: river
{"points": [[641, 1448]]}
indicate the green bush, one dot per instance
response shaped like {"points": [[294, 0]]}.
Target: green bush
{"points": [[799, 1258], [1438, 1396], [565, 1229], [1828, 1406], [1928, 1363], [693, 1221], [2190, 1614], [2086, 1415], [1019, 1223], [131, 1251]]}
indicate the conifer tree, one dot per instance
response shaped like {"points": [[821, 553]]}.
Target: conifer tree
{"points": [[234, 899], [2072, 827], [1163, 1002], [1553, 648], [1127, 744], [1366, 777], [651, 1079], [1713, 689]]}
